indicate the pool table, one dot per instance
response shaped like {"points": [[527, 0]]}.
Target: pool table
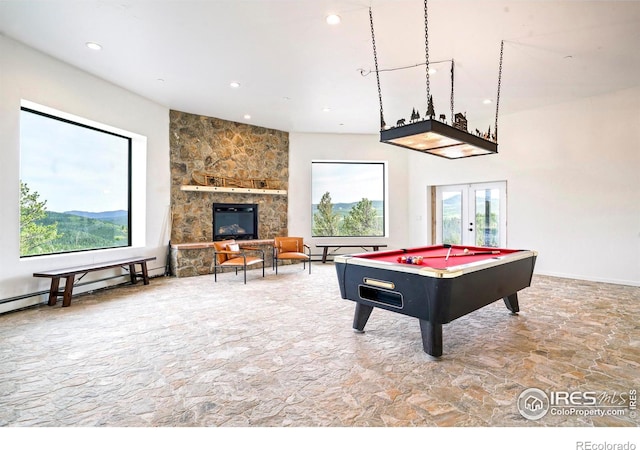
{"points": [[422, 282]]}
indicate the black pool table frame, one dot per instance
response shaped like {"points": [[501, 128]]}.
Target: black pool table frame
{"points": [[434, 296]]}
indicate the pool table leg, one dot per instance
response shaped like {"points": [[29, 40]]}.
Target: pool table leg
{"points": [[512, 303], [361, 316], [431, 337]]}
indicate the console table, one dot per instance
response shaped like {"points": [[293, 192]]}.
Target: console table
{"points": [[325, 248]]}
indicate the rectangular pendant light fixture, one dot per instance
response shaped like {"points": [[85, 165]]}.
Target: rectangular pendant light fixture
{"points": [[432, 136], [437, 138]]}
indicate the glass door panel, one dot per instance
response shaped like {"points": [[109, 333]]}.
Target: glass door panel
{"points": [[451, 205], [487, 217]]}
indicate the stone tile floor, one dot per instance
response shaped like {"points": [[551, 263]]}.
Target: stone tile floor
{"points": [[280, 352]]}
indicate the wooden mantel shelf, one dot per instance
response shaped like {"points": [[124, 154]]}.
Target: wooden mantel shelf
{"points": [[191, 187]]}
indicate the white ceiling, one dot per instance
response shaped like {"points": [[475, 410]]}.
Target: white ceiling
{"points": [[292, 65]]}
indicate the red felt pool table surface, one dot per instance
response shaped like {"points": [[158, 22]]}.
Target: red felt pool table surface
{"points": [[435, 256]]}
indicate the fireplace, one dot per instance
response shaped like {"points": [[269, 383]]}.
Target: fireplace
{"points": [[235, 221]]}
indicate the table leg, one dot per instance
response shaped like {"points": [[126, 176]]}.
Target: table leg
{"points": [[431, 337], [53, 291], [324, 254], [68, 289], [511, 303], [361, 316]]}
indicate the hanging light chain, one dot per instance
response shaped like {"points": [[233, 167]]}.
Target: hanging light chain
{"points": [[452, 65], [375, 60], [499, 83], [426, 42], [426, 46]]}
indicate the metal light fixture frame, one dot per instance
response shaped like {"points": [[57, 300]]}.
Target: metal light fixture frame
{"points": [[429, 135], [439, 139]]}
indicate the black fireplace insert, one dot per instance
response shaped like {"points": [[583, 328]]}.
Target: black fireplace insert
{"points": [[235, 221]]}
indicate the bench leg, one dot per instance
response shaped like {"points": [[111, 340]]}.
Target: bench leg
{"points": [[324, 254], [68, 289], [132, 273], [145, 273], [53, 291]]}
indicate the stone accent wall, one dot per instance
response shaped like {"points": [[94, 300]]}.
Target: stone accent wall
{"points": [[227, 149]]}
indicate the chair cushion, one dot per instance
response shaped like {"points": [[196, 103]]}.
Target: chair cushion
{"points": [[222, 246], [233, 248], [239, 261], [292, 255], [289, 245]]}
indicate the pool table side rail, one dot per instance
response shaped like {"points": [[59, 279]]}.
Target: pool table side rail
{"points": [[363, 259]]}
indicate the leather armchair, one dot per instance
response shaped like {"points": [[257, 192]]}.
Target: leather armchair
{"points": [[291, 248], [229, 254]]}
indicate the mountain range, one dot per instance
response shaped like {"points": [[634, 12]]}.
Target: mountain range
{"points": [[118, 217]]}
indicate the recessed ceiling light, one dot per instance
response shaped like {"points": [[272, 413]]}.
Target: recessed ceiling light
{"points": [[486, 101], [326, 109], [94, 45], [432, 70], [247, 116], [234, 84], [333, 19]]}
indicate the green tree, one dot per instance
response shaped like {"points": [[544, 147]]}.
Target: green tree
{"points": [[35, 238], [362, 220], [325, 221]]}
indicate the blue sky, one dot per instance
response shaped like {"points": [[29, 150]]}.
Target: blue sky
{"points": [[73, 167], [347, 183]]}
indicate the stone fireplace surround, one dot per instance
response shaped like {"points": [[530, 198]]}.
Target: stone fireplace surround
{"points": [[226, 149]]}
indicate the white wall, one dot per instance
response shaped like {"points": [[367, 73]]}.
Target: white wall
{"points": [[30, 75], [572, 172], [573, 186], [576, 186], [307, 147]]}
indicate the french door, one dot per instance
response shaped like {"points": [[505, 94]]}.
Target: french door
{"points": [[472, 214]]}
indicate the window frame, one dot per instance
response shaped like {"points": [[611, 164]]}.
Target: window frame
{"points": [[384, 199], [130, 138]]}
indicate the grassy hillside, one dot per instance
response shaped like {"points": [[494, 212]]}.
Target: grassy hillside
{"points": [[119, 217], [79, 232]]}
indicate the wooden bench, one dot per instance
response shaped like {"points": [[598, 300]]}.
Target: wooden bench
{"points": [[70, 274], [325, 248]]}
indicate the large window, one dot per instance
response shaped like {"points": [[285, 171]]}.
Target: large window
{"points": [[348, 198], [75, 186]]}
